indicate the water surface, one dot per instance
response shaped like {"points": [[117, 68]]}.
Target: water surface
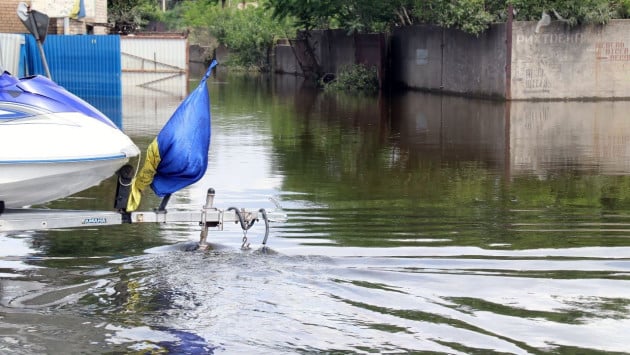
{"points": [[415, 223]]}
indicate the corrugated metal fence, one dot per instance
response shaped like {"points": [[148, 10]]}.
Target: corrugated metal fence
{"points": [[88, 66], [107, 71]]}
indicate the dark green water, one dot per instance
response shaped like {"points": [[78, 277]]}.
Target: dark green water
{"points": [[415, 224]]}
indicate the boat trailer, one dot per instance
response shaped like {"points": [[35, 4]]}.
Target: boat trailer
{"points": [[208, 217]]}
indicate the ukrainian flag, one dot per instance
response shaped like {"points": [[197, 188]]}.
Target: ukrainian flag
{"points": [[78, 10], [178, 156]]}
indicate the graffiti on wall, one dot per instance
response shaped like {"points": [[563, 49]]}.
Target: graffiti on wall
{"points": [[612, 51], [549, 38], [570, 62], [532, 78]]}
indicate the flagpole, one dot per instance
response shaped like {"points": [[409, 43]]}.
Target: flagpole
{"points": [[164, 202]]}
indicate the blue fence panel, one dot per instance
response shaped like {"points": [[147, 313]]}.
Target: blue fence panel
{"points": [[22, 68], [89, 66]]}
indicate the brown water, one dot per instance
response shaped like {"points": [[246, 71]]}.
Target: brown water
{"points": [[416, 223]]}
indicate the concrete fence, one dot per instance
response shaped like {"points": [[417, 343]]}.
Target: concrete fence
{"points": [[447, 60], [517, 62], [560, 62], [508, 61], [327, 51]]}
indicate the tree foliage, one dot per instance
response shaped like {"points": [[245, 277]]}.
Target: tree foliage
{"points": [[249, 33], [354, 15], [308, 14], [472, 16], [128, 16], [573, 12]]}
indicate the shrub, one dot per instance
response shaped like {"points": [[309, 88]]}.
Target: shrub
{"points": [[356, 78], [353, 78]]}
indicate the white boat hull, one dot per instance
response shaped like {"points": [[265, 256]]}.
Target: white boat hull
{"points": [[38, 183], [53, 155]]}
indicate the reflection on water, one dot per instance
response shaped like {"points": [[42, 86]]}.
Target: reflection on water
{"points": [[149, 100], [586, 136], [416, 223]]}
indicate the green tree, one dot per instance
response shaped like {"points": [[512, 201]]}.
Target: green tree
{"points": [[375, 15], [353, 15], [249, 33], [473, 16], [573, 12], [128, 16], [355, 78]]}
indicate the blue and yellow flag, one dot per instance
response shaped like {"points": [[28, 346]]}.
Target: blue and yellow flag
{"points": [[78, 10], [178, 156]]}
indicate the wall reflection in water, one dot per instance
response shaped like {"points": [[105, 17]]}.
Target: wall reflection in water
{"points": [[452, 128], [585, 136], [149, 100], [520, 137], [524, 137]]}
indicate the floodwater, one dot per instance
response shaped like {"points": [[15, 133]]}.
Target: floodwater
{"points": [[414, 224]]}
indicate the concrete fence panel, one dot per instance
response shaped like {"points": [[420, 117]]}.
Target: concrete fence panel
{"points": [[285, 61], [517, 61], [475, 65], [562, 62], [417, 57], [338, 50]]}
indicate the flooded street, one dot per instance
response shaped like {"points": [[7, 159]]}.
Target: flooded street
{"points": [[415, 223]]}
